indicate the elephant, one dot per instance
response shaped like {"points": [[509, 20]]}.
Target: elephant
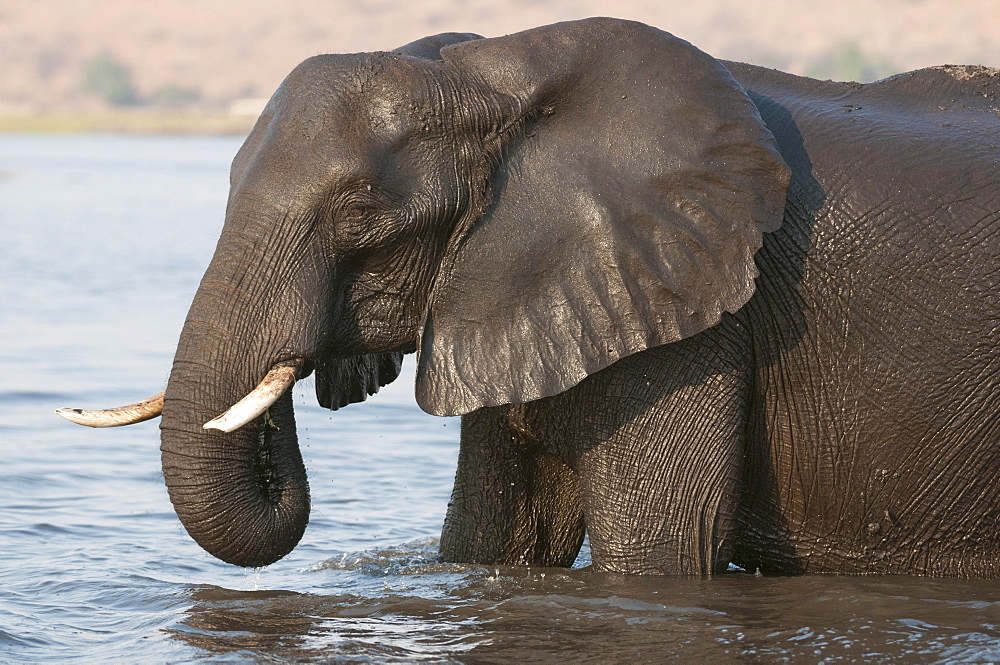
{"points": [[703, 312]]}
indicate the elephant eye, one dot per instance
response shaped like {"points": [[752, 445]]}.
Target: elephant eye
{"points": [[355, 211], [359, 205]]}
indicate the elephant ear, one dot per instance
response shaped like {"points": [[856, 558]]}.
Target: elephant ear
{"points": [[626, 212]]}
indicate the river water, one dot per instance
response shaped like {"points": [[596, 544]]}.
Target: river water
{"points": [[102, 242]]}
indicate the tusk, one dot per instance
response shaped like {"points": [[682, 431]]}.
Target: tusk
{"points": [[123, 415], [267, 392]]}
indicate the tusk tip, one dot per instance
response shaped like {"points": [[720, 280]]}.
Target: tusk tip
{"points": [[77, 416], [218, 424]]}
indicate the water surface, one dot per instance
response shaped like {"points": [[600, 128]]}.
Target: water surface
{"points": [[102, 243]]}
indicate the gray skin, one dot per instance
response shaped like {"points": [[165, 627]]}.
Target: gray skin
{"points": [[704, 312]]}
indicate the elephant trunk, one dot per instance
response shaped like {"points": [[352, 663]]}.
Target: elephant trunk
{"points": [[242, 495]]}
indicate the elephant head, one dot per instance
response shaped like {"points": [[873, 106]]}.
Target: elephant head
{"points": [[521, 212]]}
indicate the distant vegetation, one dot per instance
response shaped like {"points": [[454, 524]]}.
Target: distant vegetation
{"points": [[110, 79], [847, 62]]}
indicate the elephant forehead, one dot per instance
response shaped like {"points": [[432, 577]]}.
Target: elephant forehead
{"points": [[371, 92], [357, 150], [343, 126], [337, 118]]}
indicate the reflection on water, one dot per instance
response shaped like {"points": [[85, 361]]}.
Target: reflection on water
{"points": [[104, 241], [520, 615]]}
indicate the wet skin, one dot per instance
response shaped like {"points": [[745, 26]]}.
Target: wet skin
{"points": [[703, 311]]}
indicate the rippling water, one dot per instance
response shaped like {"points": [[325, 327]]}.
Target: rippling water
{"points": [[102, 243]]}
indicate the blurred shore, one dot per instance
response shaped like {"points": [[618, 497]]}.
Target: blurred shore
{"points": [[208, 67], [127, 122]]}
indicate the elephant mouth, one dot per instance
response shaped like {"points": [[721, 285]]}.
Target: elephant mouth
{"points": [[278, 380]]}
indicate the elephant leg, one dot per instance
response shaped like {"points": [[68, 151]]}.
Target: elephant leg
{"points": [[661, 486], [513, 503]]}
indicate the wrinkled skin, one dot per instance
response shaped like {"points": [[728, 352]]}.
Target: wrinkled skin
{"points": [[705, 312]]}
